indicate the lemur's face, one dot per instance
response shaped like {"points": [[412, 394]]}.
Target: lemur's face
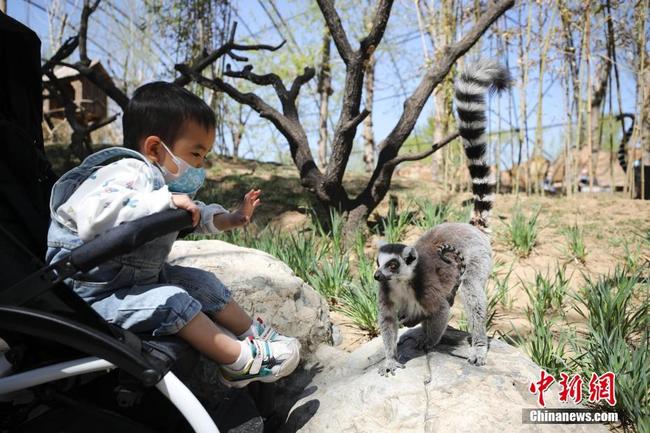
{"points": [[395, 262]]}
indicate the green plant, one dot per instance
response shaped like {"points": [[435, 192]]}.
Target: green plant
{"points": [[502, 286], [617, 311], [359, 303], [432, 214], [522, 231], [634, 258], [547, 293], [394, 225], [576, 242], [541, 345], [461, 214]]}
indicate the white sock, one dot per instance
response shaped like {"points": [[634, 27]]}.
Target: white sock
{"points": [[250, 332], [245, 354]]}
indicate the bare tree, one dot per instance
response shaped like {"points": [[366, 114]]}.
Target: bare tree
{"points": [[327, 185], [81, 143]]}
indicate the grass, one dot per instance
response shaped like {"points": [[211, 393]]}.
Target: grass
{"points": [[522, 231], [502, 285], [432, 214], [617, 311], [576, 242], [547, 293], [359, 299], [542, 345], [394, 226]]}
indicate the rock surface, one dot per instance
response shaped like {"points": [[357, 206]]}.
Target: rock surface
{"points": [[263, 286], [436, 392]]}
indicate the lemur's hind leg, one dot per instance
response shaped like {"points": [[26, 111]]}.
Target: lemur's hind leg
{"points": [[434, 327], [472, 292]]}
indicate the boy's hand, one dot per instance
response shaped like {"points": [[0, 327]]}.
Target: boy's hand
{"points": [[244, 214], [183, 201]]}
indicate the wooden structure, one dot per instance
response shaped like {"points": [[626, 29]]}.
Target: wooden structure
{"points": [[608, 174], [91, 101]]}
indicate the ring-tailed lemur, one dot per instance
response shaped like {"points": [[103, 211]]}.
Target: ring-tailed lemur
{"points": [[627, 134], [417, 284]]}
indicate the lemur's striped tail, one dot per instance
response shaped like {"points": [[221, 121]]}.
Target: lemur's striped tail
{"points": [[627, 134], [470, 88]]}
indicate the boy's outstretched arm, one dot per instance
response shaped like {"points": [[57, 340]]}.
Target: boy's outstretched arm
{"points": [[241, 216]]}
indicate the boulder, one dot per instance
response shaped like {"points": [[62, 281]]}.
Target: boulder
{"points": [[263, 286], [438, 391]]}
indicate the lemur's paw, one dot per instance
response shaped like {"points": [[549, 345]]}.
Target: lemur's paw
{"points": [[389, 367], [477, 357]]}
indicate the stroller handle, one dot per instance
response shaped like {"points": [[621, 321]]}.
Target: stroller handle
{"points": [[129, 236]]}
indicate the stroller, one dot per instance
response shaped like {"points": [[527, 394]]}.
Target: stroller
{"points": [[62, 367]]}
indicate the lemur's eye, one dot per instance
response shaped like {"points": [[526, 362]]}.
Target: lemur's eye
{"points": [[392, 267]]}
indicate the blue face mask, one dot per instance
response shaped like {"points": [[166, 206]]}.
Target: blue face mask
{"points": [[186, 180]]}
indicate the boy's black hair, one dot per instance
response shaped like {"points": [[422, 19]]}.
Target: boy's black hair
{"points": [[161, 109]]}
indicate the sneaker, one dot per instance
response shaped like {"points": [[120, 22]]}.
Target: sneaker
{"points": [[271, 361], [264, 332]]}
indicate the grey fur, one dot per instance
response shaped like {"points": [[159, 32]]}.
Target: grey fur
{"points": [[418, 284], [423, 290]]}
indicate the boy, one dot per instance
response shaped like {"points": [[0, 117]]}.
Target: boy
{"points": [[168, 131]]}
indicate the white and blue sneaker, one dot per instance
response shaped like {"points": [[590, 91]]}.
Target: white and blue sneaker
{"points": [[264, 332], [270, 361]]}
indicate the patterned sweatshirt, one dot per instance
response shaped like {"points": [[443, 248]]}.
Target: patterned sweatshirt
{"points": [[119, 192]]}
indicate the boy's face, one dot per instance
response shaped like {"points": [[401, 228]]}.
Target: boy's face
{"points": [[192, 145]]}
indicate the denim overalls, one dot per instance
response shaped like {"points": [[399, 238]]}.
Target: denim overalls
{"points": [[137, 291]]}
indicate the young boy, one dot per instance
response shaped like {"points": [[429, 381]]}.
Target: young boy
{"points": [[168, 131]]}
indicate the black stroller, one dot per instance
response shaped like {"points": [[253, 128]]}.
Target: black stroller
{"points": [[62, 367]]}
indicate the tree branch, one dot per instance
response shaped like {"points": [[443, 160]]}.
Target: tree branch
{"points": [[415, 103], [228, 48], [101, 123], [380, 20], [287, 123], [343, 138], [83, 30], [333, 22], [380, 180], [302, 79], [418, 156], [61, 54], [261, 80], [356, 121]]}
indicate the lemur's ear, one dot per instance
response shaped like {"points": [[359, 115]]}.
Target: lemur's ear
{"points": [[409, 255], [380, 243]]}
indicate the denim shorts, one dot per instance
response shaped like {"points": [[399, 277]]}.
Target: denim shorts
{"points": [[164, 306]]}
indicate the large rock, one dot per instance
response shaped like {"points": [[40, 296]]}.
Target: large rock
{"points": [[263, 286], [436, 392]]}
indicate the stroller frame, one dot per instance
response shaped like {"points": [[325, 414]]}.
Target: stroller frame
{"points": [[116, 348]]}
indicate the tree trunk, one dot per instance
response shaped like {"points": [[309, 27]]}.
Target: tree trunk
{"points": [[368, 134], [441, 36], [599, 88], [325, 91], [643, 93], [524, 44]]}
